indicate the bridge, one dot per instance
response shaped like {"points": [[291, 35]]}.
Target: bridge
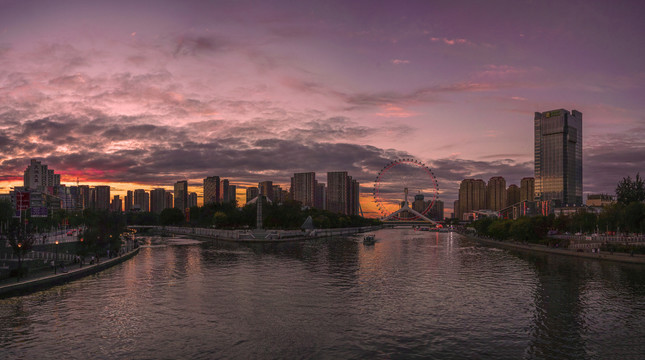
{"points": [[418, 219]]}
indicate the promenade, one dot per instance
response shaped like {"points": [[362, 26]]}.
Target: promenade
{"points": [[45, 278], [528, 247]]}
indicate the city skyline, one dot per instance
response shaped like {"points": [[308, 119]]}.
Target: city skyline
{"points": [[144, 94]]}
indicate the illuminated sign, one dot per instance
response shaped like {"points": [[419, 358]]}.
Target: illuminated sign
{"points": [[22, 200]]}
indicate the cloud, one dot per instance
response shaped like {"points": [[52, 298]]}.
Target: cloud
{"points": [[189, 45], [457, 41], [400, 62]]}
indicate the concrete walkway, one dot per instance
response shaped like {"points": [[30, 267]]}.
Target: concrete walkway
{"points": [[43, 279], [620, 257]]}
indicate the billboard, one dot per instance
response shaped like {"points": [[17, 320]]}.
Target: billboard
{"points": [[39, 211], [22, 201]]}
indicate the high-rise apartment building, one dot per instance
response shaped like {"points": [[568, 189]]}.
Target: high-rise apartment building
{"points": [[266, 188], [116, 204], [321, 196], [224, 191], [128, 201], [558, 156], [337, 191], [496, 193], [251, 193], [232, 193], [212, 190], [181, 195], [512, 195], [527, 189], [472, 196], [436, 211], [157, 200], [141, 200], [343, 193], [192, 199], [101, 197], [303, 188], [170, 203]]}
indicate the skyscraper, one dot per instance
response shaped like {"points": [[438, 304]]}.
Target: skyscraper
{"points": [[303, 188], [212, 190], [129, 201], [337, 191], [558, 156], [232, 193], [496, 193], [181, 195], [321, 196], [38, 177]]}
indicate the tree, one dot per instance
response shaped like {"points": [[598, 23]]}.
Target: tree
{"points": [[21, 242], [171, 216], [628, 190]]}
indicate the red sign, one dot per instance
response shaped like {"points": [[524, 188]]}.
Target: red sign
{"points": [[22, 200]]}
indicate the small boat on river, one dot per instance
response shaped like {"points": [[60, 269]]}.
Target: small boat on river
{"points": [[369, 239]]}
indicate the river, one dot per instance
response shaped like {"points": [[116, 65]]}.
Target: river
{"points": [[412, 294]]}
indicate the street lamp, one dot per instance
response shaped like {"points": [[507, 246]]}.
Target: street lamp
{"points": [[56, 258]]}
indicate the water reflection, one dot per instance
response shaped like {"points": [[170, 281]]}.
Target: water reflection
{"points": [[410, 294]]}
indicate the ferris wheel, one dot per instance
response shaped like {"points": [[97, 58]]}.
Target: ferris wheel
{"points": [[399, 177]]}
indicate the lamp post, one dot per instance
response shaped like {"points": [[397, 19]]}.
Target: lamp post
{"points": [[19, 261], [56, 258]]}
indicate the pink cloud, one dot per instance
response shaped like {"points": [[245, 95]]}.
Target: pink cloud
{"points": [[390, 110], [451, 41], [400, 62]]}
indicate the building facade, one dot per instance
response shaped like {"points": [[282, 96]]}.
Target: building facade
{"points": [[496, 193], [181, 195], [157, 200], [192, 199], [212, 190], [512, 195], [527, 189], [141, 200], [303, 188], [472, 196], [558, 156], [251, 193]]}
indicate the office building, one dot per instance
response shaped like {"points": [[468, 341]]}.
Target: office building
{"points": [[181, 195], [527, 189], [212, 190], [496, 193], [600, 200], [472, 196], [512, 195], [128, 201], [157, 200], [38, 177], [303, 188], [558, 156]]}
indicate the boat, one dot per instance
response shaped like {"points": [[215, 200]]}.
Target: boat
{"points": [[369, 239]]}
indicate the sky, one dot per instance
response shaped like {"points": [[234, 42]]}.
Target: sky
{"points": [[141, 94]]}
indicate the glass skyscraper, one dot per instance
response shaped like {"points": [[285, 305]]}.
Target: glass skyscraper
{"points": [[558, 156]]}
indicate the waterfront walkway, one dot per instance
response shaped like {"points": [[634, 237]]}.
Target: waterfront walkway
{"points": [[528, 247], [44, 278]]}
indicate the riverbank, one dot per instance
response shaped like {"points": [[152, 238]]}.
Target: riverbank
{"points": [[45, 280], [619, 257]]}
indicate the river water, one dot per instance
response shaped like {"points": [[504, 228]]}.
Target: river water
{"points": [[411, 295]]}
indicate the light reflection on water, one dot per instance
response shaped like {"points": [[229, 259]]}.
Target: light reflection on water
{"points": [[412, 293]]}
